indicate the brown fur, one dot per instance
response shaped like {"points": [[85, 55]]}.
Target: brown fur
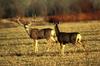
{"points": [[37, 34]]}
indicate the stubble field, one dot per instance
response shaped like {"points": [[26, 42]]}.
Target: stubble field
{"points": [[17, 49]]}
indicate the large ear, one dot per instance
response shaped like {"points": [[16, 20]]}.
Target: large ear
{"points": [[56, 22]]}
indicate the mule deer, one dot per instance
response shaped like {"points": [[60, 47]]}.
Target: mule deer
{"points": [[65, 38], [36, 34]]}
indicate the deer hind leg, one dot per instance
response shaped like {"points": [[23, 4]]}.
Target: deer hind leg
{"points": [[36, 45], [53, 36], [78, 40], [62, 47], [49, 44]]}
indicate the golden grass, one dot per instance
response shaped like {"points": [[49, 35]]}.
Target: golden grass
{"points": [[17, 49]]}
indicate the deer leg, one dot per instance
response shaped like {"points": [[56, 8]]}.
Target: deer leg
{"points": [[78, 40], [62, 47], [36, 45], [82, 45], [48, 44], [53, 39]]}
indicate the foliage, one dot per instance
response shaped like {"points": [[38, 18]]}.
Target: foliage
{"points": [[12, 8]]}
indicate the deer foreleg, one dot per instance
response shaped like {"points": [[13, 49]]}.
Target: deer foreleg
{"points": [[62, 47], [36, 45]]}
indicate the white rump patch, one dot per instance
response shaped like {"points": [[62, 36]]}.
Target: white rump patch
{"points": [[53, 35], [79, 37], [53, 32]]}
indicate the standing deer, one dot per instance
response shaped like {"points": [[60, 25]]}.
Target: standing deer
{"points": [[46, 33], [65, 38], [36, 34]]}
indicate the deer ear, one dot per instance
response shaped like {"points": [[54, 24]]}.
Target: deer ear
{"points": [[57, 22]]}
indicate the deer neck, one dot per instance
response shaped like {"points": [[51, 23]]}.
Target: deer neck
{"points": [[27, 29], [57, 29]]}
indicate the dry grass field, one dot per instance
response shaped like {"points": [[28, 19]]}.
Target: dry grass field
{"points": [[17, 49]]}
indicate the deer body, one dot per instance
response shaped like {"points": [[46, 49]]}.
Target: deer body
{"points": [[67, 38], [36, 34]]}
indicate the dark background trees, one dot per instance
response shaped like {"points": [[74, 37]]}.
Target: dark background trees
{"points": [[12, 8]]}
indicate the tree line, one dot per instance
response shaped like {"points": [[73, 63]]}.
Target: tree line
{"points": [[12, 8]]}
